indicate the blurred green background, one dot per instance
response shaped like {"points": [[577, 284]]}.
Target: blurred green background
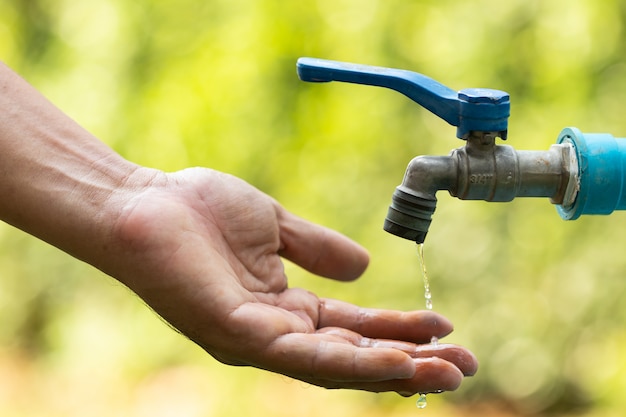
{"points": [[172, 84]]}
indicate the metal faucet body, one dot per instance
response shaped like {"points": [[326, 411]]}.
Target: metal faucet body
{"points": [[580, 174], [480, 170]]}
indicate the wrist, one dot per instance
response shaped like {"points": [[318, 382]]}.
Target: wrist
{"points": [[108, 192], [57, 181]]}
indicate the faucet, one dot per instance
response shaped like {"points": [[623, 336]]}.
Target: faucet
{"points": [[580, 173]]}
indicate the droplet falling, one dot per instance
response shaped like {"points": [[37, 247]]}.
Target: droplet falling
{"points": [[427, 294], [421, 401]]}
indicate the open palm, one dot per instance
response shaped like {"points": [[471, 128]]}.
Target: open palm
{"points": [[204, 250]]}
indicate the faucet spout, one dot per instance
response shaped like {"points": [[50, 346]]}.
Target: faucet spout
{"points": [[414, 201]]}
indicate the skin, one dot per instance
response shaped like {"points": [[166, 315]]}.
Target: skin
{"points": [[204, 249]]}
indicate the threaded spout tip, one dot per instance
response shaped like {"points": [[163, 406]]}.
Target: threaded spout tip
{"points": [[409, 216]]}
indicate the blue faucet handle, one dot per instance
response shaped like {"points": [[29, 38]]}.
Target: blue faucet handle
{"points": [[472, 109]]}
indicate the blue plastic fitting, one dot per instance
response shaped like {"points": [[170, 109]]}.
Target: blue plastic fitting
{"points": [[471, 109], [601, 173]]}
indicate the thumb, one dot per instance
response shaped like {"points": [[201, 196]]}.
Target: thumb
{"points": [[320, 250]]}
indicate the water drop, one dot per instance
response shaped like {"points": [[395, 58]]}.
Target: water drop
{"points": [[434, 341], [421, 401]]}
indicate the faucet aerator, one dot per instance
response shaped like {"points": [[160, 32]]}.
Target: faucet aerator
{"points": [[409, 216]]}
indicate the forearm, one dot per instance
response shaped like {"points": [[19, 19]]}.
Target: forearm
{"points": [[55, 177]]}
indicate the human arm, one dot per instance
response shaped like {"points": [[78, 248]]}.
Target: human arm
{"points": [[204, 250]]}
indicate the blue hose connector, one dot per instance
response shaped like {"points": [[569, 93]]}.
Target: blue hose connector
{"points": [[601, 175]]}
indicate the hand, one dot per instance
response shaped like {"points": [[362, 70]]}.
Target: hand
{"points": [[204, 250]]}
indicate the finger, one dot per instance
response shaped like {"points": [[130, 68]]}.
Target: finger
{"points": [[459, 356], [462, 358], [431, 375], [413, 326], [323, 361], [320, 250], [328, 357]]}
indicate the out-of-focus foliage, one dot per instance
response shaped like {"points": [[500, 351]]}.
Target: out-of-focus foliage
{"points": [[172, 84]]}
